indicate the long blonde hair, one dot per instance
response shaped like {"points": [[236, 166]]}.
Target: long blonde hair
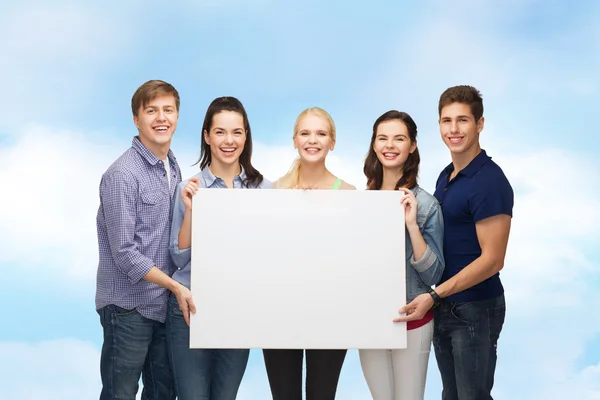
{"points": [[290, 180]]}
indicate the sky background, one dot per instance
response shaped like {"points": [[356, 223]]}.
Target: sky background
{"points": [[69, 71]]}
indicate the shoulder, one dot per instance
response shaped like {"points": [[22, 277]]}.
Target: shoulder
{"points": [[491, 178], [428, 204], [265, 184], [184, 182], [346, 186]]}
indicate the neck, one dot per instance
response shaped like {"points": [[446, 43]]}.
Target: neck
{"points": [[312, 175], [160, 151], [391, 176], [225, 171], [461, 160]]}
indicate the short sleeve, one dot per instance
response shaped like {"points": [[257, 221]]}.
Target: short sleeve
{"points": [[491, 195]]}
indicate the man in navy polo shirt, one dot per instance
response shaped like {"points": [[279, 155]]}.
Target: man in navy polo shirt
{"points": [[477, 202]]}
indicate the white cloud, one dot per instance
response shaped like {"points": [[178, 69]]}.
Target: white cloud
{"points": [[48, 216]]}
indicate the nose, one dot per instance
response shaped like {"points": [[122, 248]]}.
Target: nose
{"points": [[312, 138], [161, 115], [229, 138], [389, 143], [454, 127]]}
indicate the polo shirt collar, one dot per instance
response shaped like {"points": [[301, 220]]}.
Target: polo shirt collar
{"points": [[472, 167]]}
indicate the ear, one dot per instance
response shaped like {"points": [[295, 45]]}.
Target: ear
{"points": [[295, 143], [136, 121], [332, 145], [206, 137], [413, 146], [480, 124]]}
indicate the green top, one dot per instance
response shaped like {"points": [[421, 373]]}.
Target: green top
{"points": [[336, 184]]}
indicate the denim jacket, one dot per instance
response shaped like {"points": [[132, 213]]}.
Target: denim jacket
{"points": [[426, 272]]}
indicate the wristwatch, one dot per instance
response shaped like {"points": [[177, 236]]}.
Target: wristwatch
{"points": [[436, 298]]}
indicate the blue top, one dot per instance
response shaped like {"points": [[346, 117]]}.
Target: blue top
{"points": [[133, 225], [182, 258], [478, 191], [423, 273]]}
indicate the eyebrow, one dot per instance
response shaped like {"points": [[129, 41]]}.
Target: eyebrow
{"points": [[398, 135], [458, 116], [223, 129]]}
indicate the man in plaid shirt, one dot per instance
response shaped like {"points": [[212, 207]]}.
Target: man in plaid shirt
{"points": [[134, 270]]}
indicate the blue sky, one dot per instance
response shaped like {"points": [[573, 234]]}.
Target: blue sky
{"points": [[70, 70]]}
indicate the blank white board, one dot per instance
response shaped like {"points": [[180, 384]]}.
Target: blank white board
{"points": [[316, 269]]}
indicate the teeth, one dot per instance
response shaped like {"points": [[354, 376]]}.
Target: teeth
{"points": [[161, 128]]}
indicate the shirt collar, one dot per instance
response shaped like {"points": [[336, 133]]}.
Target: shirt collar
{"points": [[209, 178], [474, 166], [147, 154]]}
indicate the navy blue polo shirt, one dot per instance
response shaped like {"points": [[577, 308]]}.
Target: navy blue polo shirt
{"points": [[478, 191]]}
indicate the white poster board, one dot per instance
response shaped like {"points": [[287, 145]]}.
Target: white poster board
{"points": [[317, 269]]}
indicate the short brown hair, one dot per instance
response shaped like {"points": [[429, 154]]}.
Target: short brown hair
{"points": [[463, 94], [151, 90]]}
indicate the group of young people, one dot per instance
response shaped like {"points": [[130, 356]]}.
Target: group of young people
{"points": [[455, 247]]}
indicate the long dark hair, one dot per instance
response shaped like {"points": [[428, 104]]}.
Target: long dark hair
{"points": [[374, 170], [228, 103]]}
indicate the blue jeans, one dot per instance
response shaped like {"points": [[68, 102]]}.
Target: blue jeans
{"points": [[465, 337], [133, 345], [201, 374]]}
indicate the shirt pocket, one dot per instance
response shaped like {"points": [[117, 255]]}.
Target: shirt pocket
{"points": [[153, 209]]}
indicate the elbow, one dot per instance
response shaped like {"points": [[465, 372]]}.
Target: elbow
{"points": [[497, 266]]}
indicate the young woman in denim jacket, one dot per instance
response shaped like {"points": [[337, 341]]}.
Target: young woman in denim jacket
{"points": [[392, 163], [225, 162]]}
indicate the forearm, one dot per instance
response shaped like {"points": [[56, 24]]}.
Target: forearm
{"points": [[158, 277], [184, 238], [419, 245], [476, 272]]}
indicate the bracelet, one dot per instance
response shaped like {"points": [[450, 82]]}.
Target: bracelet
{"points": [[436, 297]]}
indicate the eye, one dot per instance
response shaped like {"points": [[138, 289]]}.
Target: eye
{"points": [[303, 133], [218, 132], [169, 110], [237, 133], [150, 111]]}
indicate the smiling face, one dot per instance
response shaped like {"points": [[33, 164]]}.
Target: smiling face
{"points": [[156, 123], [459, 130], [226, 137], [392, 144], [313, 138]]}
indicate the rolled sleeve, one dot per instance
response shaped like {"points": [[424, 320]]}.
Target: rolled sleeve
{"points": [[425, 262], [180, 257], [431, 265], [118, 193]]}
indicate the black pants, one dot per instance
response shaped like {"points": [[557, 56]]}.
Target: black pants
{"points": [[284, 369]]}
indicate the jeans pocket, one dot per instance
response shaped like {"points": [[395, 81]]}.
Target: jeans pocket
{"points": [[174, 309], [496, 319], [120, 311], [466, 312]]}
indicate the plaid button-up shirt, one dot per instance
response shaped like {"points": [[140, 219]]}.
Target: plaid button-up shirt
{"points": [[133, 224]]}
